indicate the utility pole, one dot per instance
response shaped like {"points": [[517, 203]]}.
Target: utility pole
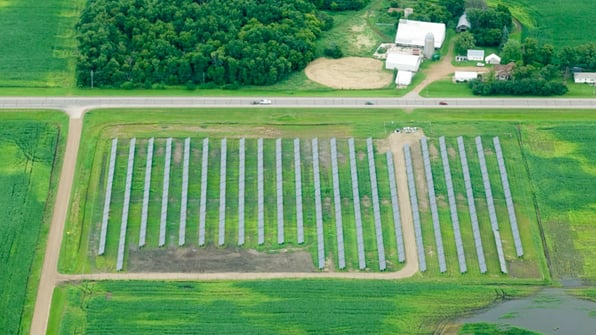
{"points": [[91, 78]]}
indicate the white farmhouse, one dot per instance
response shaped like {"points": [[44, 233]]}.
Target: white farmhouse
{"points": [[413, 33], [585, 77], [475, 55], [464, 76], [402, 62], [492, 59]]}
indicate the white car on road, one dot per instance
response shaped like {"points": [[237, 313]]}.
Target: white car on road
{"points": [[262, 102]]}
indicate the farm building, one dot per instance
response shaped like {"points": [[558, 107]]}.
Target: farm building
{"points": [[504, 72], [402, 62], [584, 77], [463, 24], [475, 55], [464, 76], [403, 78], [492, 59], [413, 33]]}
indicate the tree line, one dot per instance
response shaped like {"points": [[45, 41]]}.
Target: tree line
{"points": [[149, 43]]}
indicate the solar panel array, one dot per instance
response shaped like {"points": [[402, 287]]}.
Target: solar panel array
{"points": [[339, 230], [222, 192], [125, 206], [280, 192], [184, 194], [471, 206], [401, 253], [108, 198], [414, 206], [298, 180], [260, 194], [459, 246], [164, 195], [318, 206], [519, 250], [434, 212], [203, 203], [146, 189], [376, 207], [241, 186], [356, 197], [491, 205]]}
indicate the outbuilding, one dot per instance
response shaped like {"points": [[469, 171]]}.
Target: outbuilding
{"points": [[403, 78], [492, 59], [413, 33], [463, 24], [475, 55], [402, 62], [464, 76], [584, 77]]}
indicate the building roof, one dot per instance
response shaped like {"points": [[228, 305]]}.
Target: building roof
{"points": [[402, 62], [413, 33], [463, 23], [465, 75], [403, 78], [492, 56], [585, 75], [475, 54], [504, 70]]}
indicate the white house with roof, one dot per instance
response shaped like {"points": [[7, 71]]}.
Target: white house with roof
{"points": [[585, 77], [492, 59], [402, 62], [475, 55], [413, 33], [464, 76]]}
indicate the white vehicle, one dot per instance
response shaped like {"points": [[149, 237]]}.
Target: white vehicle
{"points": [[480, 64], [262, 102]]}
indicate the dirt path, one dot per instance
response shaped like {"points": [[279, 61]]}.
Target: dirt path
{"points": [[49, 272], [441, 70]]}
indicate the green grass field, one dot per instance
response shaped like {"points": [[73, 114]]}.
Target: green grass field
{"points": [[38, 42], [264, 307], [29, 164], [559, 23]]}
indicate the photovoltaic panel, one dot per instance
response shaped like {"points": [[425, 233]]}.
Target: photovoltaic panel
{"points": [[108, 198], [241, 186], [471, 205], [318, 205], [203, 204], [125, 206], [339, 231], [280, 192], [459, 246], [222, 192], [376, 207], [519, 250], [146, 190], [184, 193], [164, 196], [414, 206], [401, 253], [260, 194], [491, 205], [434, 212], [298, 180], [356, 197]]}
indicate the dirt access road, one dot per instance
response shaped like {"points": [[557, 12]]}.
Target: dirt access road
{"points": [[50, 277]]}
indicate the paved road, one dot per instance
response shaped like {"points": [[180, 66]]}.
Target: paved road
{"points": [[74, 105]]}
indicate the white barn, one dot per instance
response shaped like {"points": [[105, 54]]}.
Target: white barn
{"points": [[403, 78], [413, 33], [475, 55], [492, 59], [402, 62], [584, 77], [464, 76]]}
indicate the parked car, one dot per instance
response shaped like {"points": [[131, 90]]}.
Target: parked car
{"points": [[369, 103], [262, 102], [480, 64], [443, 103]]}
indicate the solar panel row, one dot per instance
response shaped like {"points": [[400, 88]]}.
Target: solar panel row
{"points": [[241, 186], [146, 189], [203, 200], [280, 192], [125, 206], [376, 207], [298, 180], [414, 206], [108, 198], [459, 246], [318, 206], [401, 253], [490, 204], [222, 192], [184, 194], [433, 205], [339, 231], [260, 194], [164, 196], [356, 198], [471, 206]]}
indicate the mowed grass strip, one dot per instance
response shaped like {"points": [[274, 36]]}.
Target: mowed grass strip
{"points": [[30, 151], [265, 307], [38, 42]]}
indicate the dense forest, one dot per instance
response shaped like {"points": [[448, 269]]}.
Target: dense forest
{"points": [[149, 43]]}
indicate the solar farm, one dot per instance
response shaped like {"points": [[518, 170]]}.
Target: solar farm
{"points": [[336, 198]]}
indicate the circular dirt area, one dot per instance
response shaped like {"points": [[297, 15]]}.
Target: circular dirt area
{"points": [[349, 73]]}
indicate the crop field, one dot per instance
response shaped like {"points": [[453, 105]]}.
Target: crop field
{"points": [[28, 150], [561, 158], [559, 23], [264, 307]]}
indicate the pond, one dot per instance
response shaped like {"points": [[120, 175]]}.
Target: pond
{"points": [[551, 311]]}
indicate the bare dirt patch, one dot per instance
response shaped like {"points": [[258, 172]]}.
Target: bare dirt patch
{"points": [[349, 73], [212, 259]]}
